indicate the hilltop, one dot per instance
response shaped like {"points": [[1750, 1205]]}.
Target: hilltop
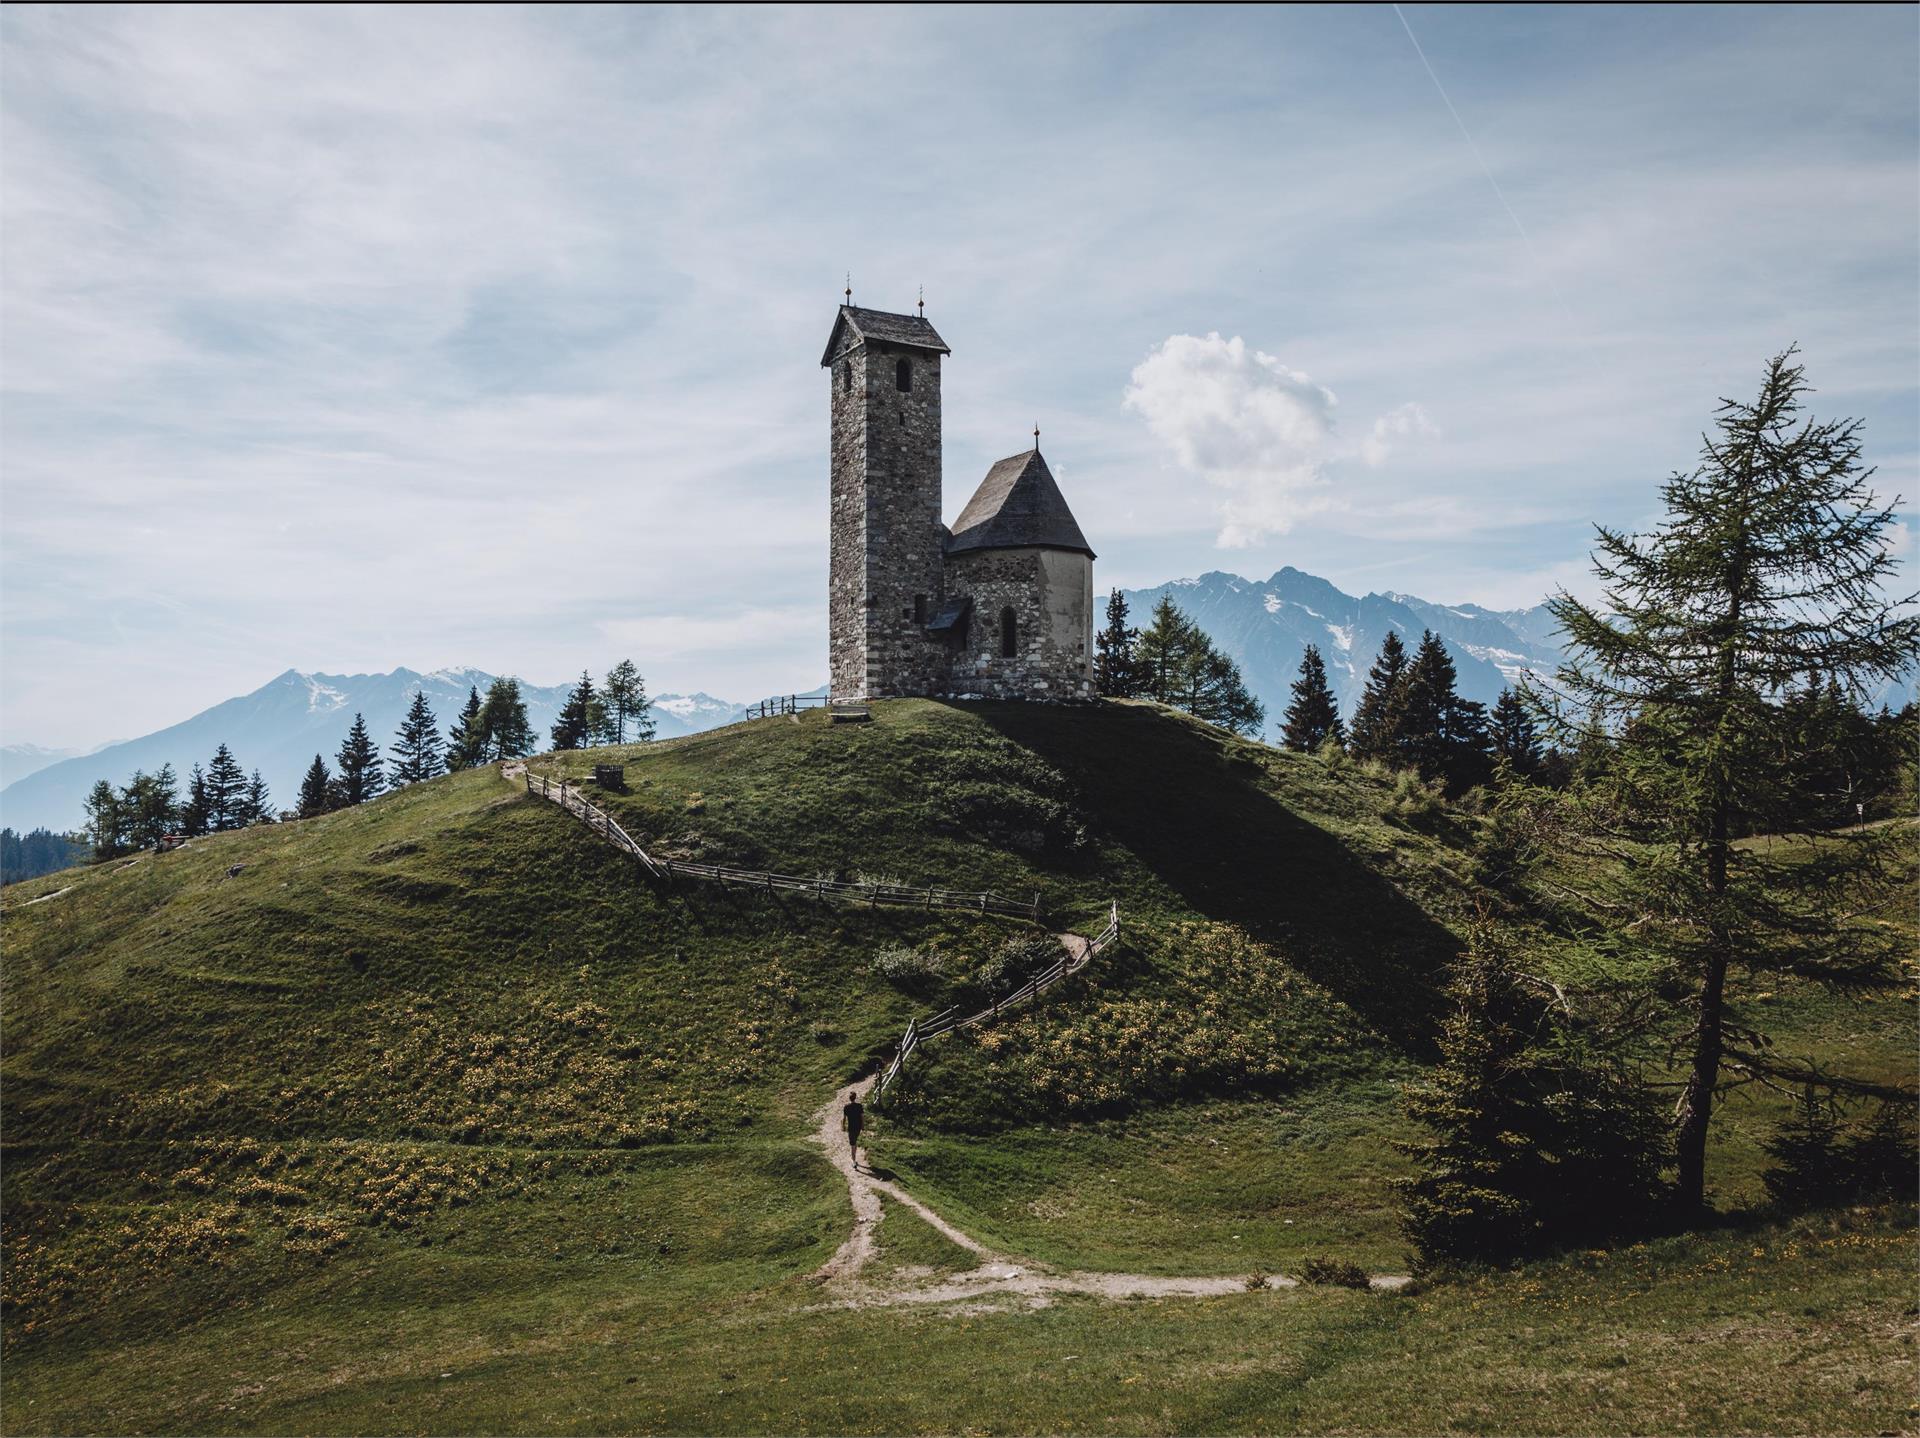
{"points": [[436, 1112]]}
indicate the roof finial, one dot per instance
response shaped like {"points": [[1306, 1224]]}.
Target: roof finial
{"points": [[1036, 439], [849, 286], [922, 302]]}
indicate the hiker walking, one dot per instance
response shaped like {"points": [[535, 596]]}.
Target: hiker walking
{"points": [[853, 1115]]}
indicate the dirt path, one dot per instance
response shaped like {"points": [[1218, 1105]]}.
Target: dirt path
{"points": [[997, 1275]]}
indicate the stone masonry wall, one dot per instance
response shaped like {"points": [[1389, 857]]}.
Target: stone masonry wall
{"points": [[886, 535], [1051, 594]]}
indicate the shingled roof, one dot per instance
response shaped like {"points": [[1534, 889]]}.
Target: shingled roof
{"points": [[1017, 506], [913, 331]]}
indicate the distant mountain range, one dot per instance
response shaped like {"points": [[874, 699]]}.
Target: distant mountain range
{"points": [[280, 726], [1265, 625]]}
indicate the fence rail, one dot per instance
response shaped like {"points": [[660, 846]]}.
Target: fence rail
{"points": [[950, 1018], [785, 704], [894, 895]]}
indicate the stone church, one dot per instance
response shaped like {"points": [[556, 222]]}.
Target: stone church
{"points": [[1000, 606]]}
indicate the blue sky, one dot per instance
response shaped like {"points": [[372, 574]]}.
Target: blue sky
{"points": [[343, 339]]}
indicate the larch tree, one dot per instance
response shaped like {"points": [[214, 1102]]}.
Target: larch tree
{"points": [[1113, 652], [624, 695], [503, 720], [1770, 563], [1313, 715]]}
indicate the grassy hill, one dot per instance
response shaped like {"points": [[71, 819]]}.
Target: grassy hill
{"points": [[434, 1115]]}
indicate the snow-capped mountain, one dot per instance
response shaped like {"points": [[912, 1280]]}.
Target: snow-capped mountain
{"points": [[1266, 625], [281, 725], [19, 760]]}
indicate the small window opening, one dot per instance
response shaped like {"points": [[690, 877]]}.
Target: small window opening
{"points": [[1009, 633], [846, 378], [903, 377], [919, 609]]}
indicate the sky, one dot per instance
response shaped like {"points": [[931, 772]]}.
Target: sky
{"points": [[340, 339]]}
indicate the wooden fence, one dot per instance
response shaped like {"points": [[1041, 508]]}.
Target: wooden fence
{"points": [[949, 1019], [785, 704], [872, 895]]}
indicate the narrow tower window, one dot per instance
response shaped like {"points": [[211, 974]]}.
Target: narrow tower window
{"points": [[919, 609], [846, 378], [903, 377], [1009, 633]]}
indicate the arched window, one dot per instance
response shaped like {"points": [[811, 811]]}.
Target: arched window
{"points": [[903, 377], [1009, 633]]}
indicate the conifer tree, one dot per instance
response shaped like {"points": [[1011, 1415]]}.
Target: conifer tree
{"points": [[1178, 665], [1313, 716], [151, 806], [503, 720], [106, 821], [1113, 656], [467, 740], [1532, 1141], [625, 696], [316, 791], [574, 727], [193, 814], [1437, 732], [1376, 720], [361, 776], [226, 789], [417, 746], [1513, 736], [257, 805], [1770, 563]]}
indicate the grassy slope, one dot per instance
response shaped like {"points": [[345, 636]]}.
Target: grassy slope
{"points": [[436, 1087]]}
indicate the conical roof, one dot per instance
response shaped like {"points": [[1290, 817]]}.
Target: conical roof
{"points": [[1017, 506]]}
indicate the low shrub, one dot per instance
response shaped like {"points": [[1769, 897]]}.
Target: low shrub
{"points": [[1334, 1273]]}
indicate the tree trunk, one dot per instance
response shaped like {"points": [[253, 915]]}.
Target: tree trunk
{"points": [[1696, 1100]]}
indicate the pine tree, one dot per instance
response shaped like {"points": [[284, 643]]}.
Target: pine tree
{"points": [[258, 803], [1376, 720], [151, 806], [360, 765], [574, 727], [1513, 736], [467, 740], [625, 697], [316, 791], [1113, 657], [1313, 716], [417, 746], [1770, 563], [1532, 1141], [226, 789], [503, 720], [106, 821], [193, 814]]}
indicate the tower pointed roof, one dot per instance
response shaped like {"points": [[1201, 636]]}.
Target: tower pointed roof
{"points": [[854, 325], [1018, 506]]}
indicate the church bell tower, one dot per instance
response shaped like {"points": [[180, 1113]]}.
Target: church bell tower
{"points": [[885, 576]]}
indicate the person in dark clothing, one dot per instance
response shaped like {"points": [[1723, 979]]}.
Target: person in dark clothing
{"points": [[853, 1115]]}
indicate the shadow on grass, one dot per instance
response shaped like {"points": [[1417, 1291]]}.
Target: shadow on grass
{"points": [[1169, 792]]}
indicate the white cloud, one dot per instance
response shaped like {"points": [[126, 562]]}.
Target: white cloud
{"points": [[1407, 421], [1244, 422]]}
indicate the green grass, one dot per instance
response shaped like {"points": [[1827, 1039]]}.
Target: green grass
{"points": [[433, 1116]]}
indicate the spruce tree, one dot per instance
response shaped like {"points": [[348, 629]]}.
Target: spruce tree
{"points": [[151, 805], [193, 814], [1376, 720], [1513, 736], [360, 764], [1770, 563], [258, 803], [574, 727], [1313, 716], [1179, 665], [106, 821], [1113, 657], [625, 696], [467, 740], [1533, 1140], [1438, 733], [417, 746], [226, 791], [316, 791], [503, 720]]}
